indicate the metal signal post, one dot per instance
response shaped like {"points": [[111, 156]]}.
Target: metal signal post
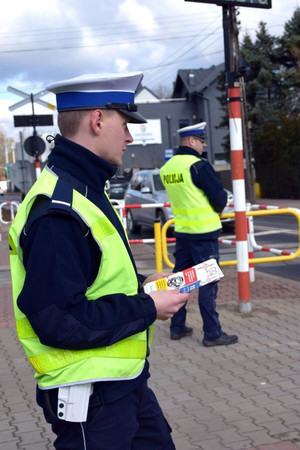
{"points": [[34, 145]]}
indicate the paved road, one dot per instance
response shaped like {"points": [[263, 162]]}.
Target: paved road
{"points": [[246, 396]]}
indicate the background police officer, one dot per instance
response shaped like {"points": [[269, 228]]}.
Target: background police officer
{"points": [[197, 198], [81, 314]]}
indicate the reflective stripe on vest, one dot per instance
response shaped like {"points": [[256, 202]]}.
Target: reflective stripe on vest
{"points": [[53, 366], [191, 208]]}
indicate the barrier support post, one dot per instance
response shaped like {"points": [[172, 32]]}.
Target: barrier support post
{"points": [[250, 234], [158, 246]]}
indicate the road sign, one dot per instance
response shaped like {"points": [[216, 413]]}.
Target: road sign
{"points": [[29, 98], [252, 3], [22, 175], [36, 120], [34, 146], [169, 152]]}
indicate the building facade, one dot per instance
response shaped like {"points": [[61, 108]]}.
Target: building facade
{"points": [[194, 100]]}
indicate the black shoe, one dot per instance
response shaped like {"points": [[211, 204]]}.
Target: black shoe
{"points": [[187, 331], [224, 339]]}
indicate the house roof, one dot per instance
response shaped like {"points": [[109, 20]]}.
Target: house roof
{"points": [[145, 95], [190, 81]]}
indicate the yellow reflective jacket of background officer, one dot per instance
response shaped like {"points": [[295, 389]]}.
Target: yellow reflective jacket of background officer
{"points": [[192, 211]]}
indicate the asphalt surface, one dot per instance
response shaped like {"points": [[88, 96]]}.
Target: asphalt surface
{"points": [[245, 396]]}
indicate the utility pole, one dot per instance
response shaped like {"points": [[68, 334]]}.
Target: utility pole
{"points": [[250, 179]]}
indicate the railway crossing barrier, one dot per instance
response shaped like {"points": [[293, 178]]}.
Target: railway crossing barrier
{"points": [[160, 233], [161, 240]]}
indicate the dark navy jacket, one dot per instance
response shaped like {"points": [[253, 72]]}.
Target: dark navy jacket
{"points": [[62, 259], [204, 177]]}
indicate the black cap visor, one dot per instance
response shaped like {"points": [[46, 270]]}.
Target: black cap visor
{"points": [[135, 117], [129, 109]]}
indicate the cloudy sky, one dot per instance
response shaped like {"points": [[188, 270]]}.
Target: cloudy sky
{"points": [[42, 41]]}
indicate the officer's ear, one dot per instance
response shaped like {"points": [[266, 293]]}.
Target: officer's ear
{"points": [[191, 141], [97, 120]]}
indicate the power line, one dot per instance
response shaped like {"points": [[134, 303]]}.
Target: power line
{"points": [[98, 44], [186, 44], [119, 25], [179, 62], [203, 55], [96, 34], [104, 44]]}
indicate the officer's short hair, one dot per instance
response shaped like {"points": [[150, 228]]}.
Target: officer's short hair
{"points": [[69, 121]]}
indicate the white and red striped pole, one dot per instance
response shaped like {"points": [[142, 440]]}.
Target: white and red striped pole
{"points": [[238, 184], [37, 166]]}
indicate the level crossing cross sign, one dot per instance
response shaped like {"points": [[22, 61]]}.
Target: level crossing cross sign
{"points": [[33, 120], [29, 98]]}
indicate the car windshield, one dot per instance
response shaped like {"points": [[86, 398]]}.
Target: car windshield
{"points": [[118, 180], [157, 183]]}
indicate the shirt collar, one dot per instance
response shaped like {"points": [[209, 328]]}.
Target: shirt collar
{"points": [[183, 150], [81, 163]]}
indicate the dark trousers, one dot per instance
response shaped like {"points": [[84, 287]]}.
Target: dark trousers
{"points": [[134, 422], [189, 253]]}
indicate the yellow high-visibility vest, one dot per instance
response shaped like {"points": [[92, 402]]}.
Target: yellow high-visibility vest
{"points": [[191, 208], [116, 274]]}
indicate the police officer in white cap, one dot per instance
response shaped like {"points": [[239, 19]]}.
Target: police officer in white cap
{"points": [[197, 198], [81, 314]]}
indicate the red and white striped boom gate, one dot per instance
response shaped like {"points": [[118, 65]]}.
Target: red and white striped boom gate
{"points": [[136, 206], [253, 242]]}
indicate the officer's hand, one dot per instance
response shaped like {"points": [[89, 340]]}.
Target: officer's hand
{"points": [[167, 303]]}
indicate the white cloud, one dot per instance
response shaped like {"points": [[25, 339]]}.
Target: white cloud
{"points": [[141, 15], [122, 64]]}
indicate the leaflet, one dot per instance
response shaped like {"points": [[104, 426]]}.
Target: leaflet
{"points": [[189, 279]]}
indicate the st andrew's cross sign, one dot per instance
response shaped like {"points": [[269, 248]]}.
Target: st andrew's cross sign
{"points": [[252, 3]]}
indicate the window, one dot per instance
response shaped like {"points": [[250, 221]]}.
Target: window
{"points": [[136, 183], [158, 183], [147, 182]]}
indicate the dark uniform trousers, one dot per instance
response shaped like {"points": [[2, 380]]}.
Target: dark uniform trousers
{"points": [[134, 422], [189, 253]]}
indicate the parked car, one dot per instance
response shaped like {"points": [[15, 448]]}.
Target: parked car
{"points": [[229, 223], [146, 187], [116, 186]]}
